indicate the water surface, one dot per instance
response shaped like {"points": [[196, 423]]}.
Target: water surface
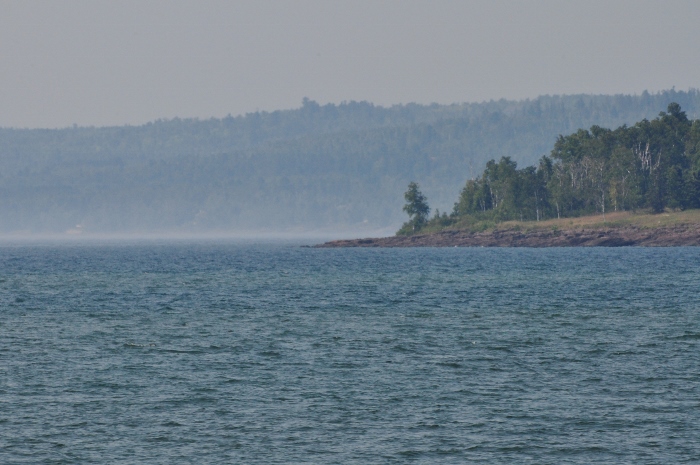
{"points": [[216, 352]]}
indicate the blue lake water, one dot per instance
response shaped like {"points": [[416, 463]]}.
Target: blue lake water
{"points": [[222, 352]]}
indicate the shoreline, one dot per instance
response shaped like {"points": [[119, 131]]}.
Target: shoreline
{"points": [[620, 236]]}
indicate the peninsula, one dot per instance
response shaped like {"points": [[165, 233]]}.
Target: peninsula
{"points": [[672, 229], [637, 185]]}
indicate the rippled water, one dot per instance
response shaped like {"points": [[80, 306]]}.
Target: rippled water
{"points": [[209, 352]]}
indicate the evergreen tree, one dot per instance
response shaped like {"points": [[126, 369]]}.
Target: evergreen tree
{"points": [[416, 207]]}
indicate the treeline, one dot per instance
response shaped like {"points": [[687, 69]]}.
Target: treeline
{"points": [[318, 166], [654, 164]]}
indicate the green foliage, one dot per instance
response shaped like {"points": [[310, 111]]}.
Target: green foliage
{"points": [[417, 209], [652, 164]]}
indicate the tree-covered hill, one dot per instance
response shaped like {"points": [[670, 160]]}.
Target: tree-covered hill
{"points": [[331, 166], [652, 165]]}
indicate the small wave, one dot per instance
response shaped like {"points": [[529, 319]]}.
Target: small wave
{"points": [[410, 453], [687, 337], [271, 353], [171, 423], [450, 364], [134, 345]]}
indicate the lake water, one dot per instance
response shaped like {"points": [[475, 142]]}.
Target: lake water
{"points": [[216, 352]]}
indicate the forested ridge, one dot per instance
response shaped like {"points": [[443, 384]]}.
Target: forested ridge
{"points": [[319, 166], [653, 164]]}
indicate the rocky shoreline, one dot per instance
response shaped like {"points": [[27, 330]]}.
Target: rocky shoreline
{"points": [[676, 236]]}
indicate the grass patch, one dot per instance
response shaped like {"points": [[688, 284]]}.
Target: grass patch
{"points": [[639, 219]]}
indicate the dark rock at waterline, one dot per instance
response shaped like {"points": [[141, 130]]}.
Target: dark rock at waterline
{"points": [[684, 235]]}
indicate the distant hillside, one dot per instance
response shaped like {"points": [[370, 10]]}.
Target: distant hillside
{"points": [[316, 167]]}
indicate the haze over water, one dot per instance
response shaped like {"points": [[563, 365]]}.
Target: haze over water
{"points": [[216, 352]]}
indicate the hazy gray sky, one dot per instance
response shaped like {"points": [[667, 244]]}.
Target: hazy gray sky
{"points": [[93, 62]]}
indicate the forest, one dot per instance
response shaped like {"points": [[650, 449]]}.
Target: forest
{"points": [[653, 165], [332, 167]]}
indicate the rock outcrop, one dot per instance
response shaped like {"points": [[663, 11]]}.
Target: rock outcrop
{"points": [[684, 235]]}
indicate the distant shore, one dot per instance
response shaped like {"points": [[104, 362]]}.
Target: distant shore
{"points": [[624, 229]]}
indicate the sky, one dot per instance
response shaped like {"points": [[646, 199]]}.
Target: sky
{"points": [[105, 63]]}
